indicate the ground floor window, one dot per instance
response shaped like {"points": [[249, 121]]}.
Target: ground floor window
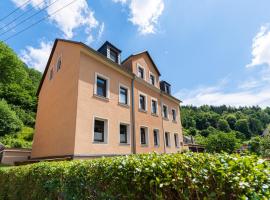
{"points": [[124, 134], [144, 135], [176, 140], [167, 139], [100, 130], [156, 137]]}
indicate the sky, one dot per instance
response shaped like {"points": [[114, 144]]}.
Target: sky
{"points": [[211, 51]]}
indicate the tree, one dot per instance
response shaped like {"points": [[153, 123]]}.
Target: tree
{"points": [[265, 145], [223, 125], [9, 122], [219, 142], [241, 125], [255, 145], [231, 119], [192, 131]]}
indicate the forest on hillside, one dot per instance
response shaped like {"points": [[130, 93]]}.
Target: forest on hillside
{"points": [[18, 102], [227, 128]]}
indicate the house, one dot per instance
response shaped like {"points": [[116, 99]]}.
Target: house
{"points": [[191, 145], [90, 104]]}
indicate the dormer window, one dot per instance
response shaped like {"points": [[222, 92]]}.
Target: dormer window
{"points": [[140, 71], [165, 87], [113, 55]]}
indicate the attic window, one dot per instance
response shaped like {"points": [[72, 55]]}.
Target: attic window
{"points": [[113, 55], [59, 63], [51, 74]]}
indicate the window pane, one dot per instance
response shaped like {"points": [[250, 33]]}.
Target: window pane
{"points": [[165, 111], [123, 133], [155, 137], [123, 95], [175, 140], [99, 131], [167, 139], [174, 115], [58, 65], [141, 72], [152, 79], [143, 136], [101, 87], [154, 107], [142, 102], [113, 55]]}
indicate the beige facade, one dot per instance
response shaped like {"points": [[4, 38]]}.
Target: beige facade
{"points": [[70, 106]]}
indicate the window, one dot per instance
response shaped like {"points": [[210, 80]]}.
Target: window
{"points": [[51, 74], [113, 55], [58, 64], [167, 89], [141, 72], [144, 135], [154, 106], [99, 131], [165, 111], [123, 134], [102, 85], [156, 137], [167, 139], [123, 96], [152, 79], [176, 140], [174, 114], [142, 102]]}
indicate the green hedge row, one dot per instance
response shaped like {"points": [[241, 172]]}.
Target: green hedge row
{"points": [[149, 176]]}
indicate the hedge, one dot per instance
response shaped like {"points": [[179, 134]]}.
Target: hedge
{"points": [[148, 176]]}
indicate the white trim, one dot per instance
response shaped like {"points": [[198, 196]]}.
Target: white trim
{"points": [[128, 93], [144, 71], [167, 111], [155, 129], [107, 86], [146, 137], [106, 130], [169, 139], [177, 138], [152, 98], [128, 132], [155, 81], [175, 115], [146, 104]]}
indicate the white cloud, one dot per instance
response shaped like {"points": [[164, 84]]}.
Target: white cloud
{"points": [[144, 13], [100, 31], [252, 90], [76, 15], [37, 57], [261, 47]]}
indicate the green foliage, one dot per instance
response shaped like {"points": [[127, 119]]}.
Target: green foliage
{"points": [[149, 176], [231, 119], [9, 122], [241, 125], [219, 142], [223, 125], [22, 139]]}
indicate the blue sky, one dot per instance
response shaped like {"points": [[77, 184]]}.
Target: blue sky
{"points": [[211, 51]]}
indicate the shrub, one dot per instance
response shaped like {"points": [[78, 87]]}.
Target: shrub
{"points": [[9, 122], [219, 142], [149, 176]]}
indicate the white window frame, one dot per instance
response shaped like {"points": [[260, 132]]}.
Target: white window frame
{"points": [[177, 138], [154, 99], [108, 85], [146, 105], [128, 94], [158, 139], [128, 133], [146, 137], [106, 130], [167, 111], [174, 120], [59, 57], [169, 139], [155, 82], [144, 71]]}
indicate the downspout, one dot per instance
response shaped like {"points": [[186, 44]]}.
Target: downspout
{"points": [[163, 131], [133, 143]]}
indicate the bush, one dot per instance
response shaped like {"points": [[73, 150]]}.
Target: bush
{"points": [[9, 122], [219, 142], [149, 176]]}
